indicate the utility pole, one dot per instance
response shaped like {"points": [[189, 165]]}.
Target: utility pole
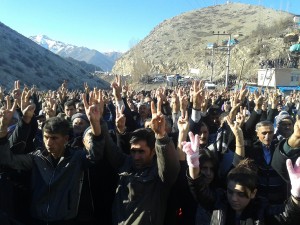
{"points": [[228, 54], [212, 63]]}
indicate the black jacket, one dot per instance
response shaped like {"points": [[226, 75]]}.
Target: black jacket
{"points": [[259, 211]]}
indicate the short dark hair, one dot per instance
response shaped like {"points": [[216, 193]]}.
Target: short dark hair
{"points": [[143, 134], [79, 104], [70, 103], [245, 174], [56, 125], [197, 128], [207, 155]]}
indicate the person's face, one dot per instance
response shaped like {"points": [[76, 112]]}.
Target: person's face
{"points": [[207, 169], [227, 106], [55, 143], [40, 121], [285, 128], [79, 126], [70, 110], [239, 196], [141, 154], [143, 111], [265, 134], [203, 135]]}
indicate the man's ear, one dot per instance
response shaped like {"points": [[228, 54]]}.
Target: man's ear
{"points": [[253, 194]]}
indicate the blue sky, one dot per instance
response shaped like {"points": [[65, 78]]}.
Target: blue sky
{"points": [[105, 25]]}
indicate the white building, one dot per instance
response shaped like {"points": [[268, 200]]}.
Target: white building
{"points": [[278, 77]]}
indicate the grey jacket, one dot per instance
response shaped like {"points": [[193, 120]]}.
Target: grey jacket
{"points": [[141, 195], [55, 189]]}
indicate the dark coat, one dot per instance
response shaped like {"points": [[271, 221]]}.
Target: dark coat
{"points": [[141, 195], [270, 184], [258, 211]]}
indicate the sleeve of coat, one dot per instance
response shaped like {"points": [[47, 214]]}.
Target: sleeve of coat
{"points": [[9, 159], [280, 155], [111, 152], [167, 160]]}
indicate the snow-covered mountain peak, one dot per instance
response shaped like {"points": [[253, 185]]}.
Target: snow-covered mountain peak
{"points": [[50, 44], [104, 61]]}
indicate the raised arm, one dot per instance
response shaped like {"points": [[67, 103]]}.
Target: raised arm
{"points": [[7, 158], [21, 141], [183, 127], [191, 150], [294, 174], [287, 149], [239, 138], [167, 157]]}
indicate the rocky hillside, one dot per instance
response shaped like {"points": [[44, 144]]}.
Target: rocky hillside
{"points": [[22, 59], [179, 44]]}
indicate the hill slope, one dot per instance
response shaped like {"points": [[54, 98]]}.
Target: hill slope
{"points": [[179, 44], [22, 59]]}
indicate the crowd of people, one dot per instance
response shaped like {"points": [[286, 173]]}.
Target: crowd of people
{"points": [[169, 156], [290, 62]]}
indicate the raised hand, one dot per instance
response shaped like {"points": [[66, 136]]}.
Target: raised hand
{"points": [[86, 88], [94, 108], [117, 87], [191, 150], [26, 106], [120, 120], [233, 112], [198, 94], [158, 122], [50, 109], [243, 92], [235, 127], [17, 92], [6, 114], [258, 99], [175, 102], [125, 89], [239, 137], [183, 123], [183, 102], [294, 173]]}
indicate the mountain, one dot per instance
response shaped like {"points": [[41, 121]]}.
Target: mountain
{"points": [[113, 55], [88, 67], [21, 59], [185, 42], [104, 61]]}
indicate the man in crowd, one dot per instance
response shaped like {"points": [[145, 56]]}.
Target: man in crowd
{"points": [[146, 175], [56, 171]]}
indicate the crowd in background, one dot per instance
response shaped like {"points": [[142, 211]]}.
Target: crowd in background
{"points": [[290, 62], [178, 155]]}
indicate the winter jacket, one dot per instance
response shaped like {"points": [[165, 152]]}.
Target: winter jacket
{"points": [[141, 195], [258, 211], [283, 152], [55, 189], [270, 183]]}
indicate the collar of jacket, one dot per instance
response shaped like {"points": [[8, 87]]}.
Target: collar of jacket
{"points": [[66, 154]]}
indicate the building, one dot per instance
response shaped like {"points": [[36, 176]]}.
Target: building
{"points": [[272, 77]]}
